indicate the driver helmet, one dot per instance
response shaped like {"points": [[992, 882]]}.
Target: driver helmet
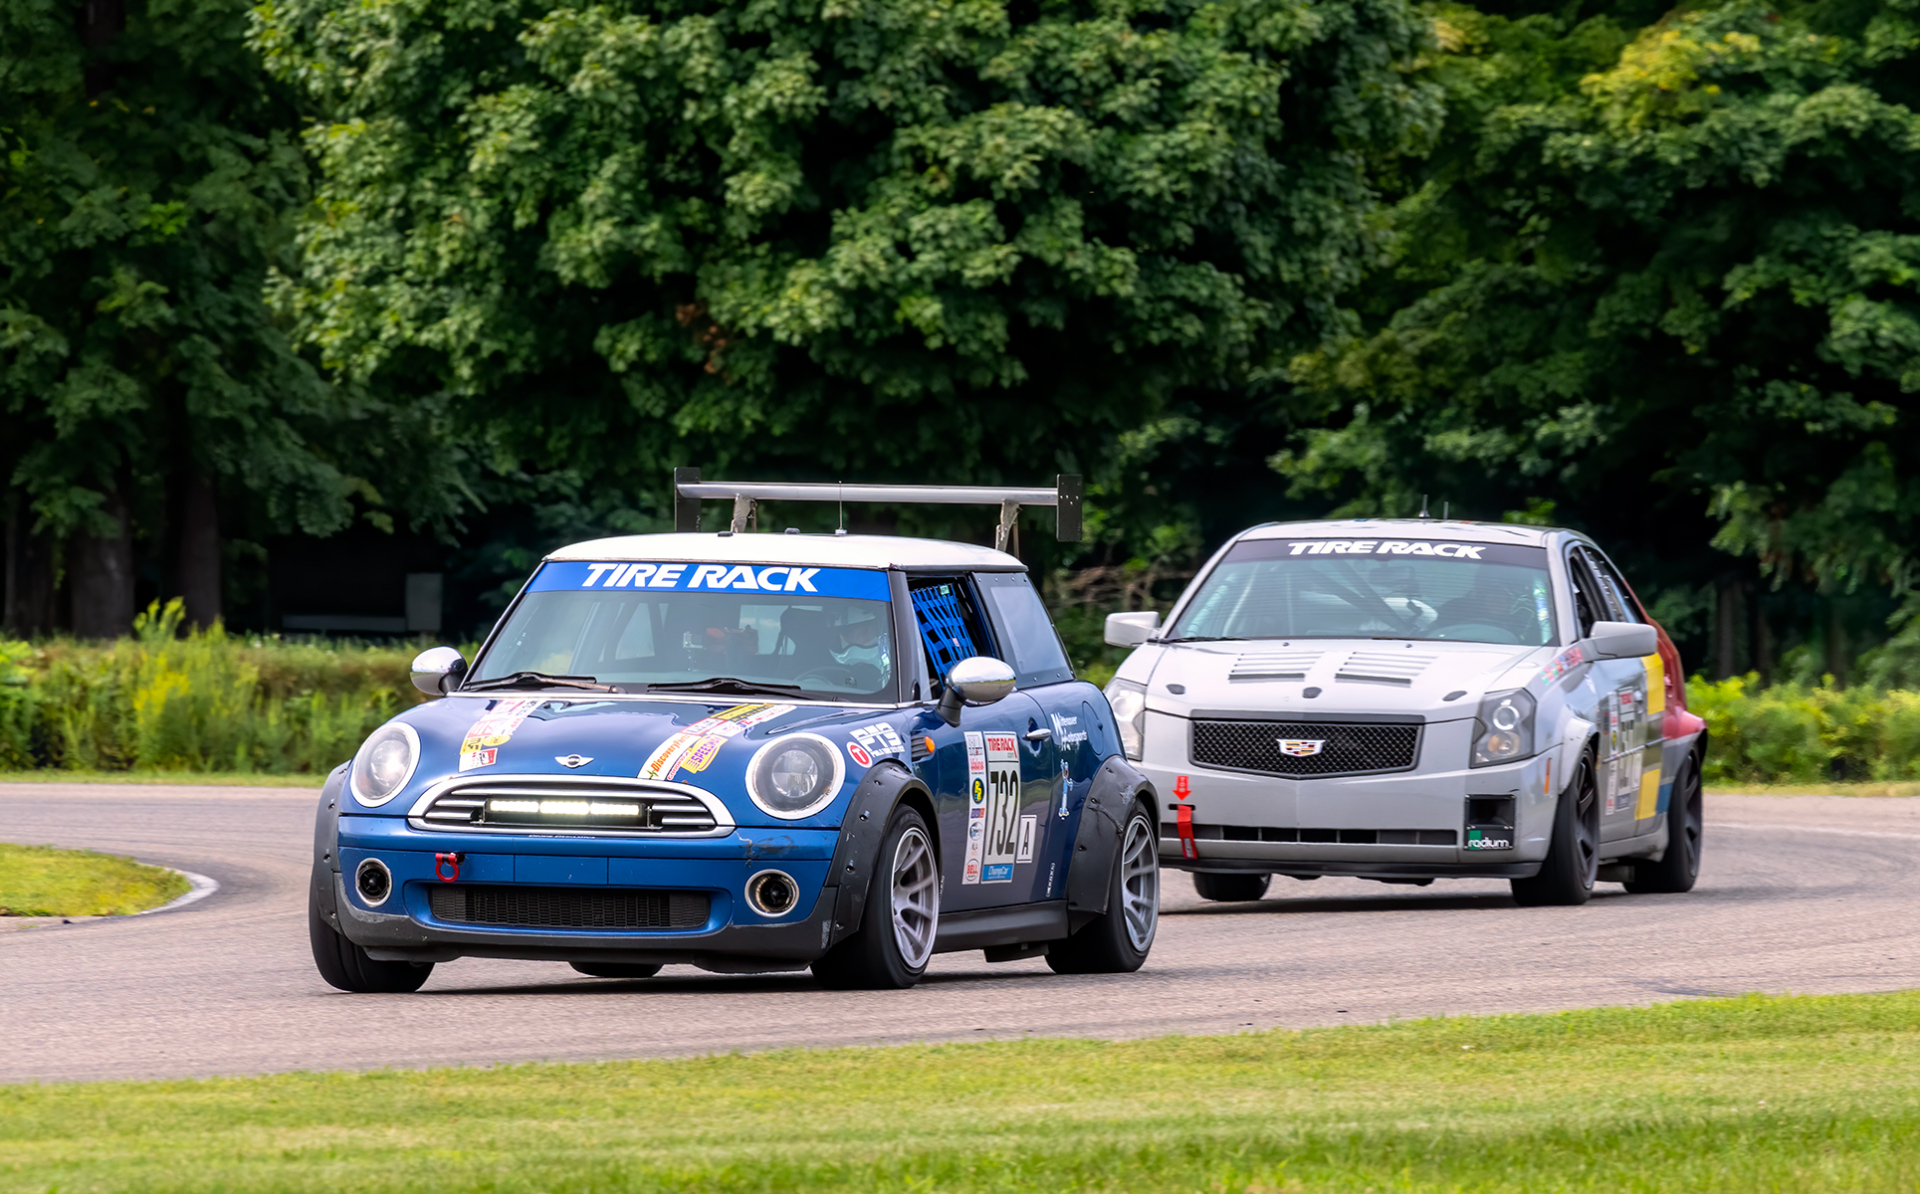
{"points": [[863, 638]]}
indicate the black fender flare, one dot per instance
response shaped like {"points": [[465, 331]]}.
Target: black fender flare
{"points": [[1102, 820], [326, 846], [849, 877]]}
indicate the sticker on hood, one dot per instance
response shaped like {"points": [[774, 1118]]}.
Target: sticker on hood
{"points": [[492, 730], [877, 741], [692, 748]]}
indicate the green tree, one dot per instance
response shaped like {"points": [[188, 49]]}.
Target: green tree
{"points": [[898, 239], [1661, 281], [152, 406]]}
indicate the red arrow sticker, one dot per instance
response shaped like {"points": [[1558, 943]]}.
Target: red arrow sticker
{"points": [[1180, 788]]}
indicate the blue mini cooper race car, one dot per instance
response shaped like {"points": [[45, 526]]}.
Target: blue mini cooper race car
{"points": [[747, 752]]}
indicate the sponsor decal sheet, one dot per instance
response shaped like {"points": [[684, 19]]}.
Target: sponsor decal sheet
{"points": [[997, 836], [692, 748], [492, 730]]}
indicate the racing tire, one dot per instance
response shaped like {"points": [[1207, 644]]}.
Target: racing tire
{"points": [[1118, 941], [346, 966], [1573, 853], [1679, 867], [895, 939], [616, 969], [1230, 889]]}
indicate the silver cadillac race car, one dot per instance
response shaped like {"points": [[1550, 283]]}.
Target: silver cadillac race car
{"points": [[1412, 699]]}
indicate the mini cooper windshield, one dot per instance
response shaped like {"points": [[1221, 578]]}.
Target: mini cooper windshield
{"points": [[1374, 588], [698, 628]]}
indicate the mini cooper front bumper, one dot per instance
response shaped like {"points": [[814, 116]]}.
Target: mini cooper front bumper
{"points": [[746, 901]]}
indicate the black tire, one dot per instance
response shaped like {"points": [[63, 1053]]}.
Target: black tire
{"points": [[346, 966], [1230, 889], [1118, 941], [1573, 855], [1680, 866], [895, 940], [616, 969]]}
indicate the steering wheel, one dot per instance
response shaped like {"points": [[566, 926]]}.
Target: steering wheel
{"points": [[1482, 632], [843, 675]]}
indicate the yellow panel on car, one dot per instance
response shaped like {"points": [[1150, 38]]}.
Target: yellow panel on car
{"points": [[1656, 683], [1649, 794]]}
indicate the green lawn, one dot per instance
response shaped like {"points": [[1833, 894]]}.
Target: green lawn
{"points": [[44, 881], [1787, 1094]]}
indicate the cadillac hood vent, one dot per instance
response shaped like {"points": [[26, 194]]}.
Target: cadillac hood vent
{"points": [[1384, 667], [1275, 665]]}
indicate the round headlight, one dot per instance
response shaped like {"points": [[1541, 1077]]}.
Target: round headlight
{"points": [[385, 763], [795, 776]]}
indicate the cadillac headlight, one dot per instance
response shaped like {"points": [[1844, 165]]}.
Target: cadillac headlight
{"points": [[1129, 701], [1503, 728], [385, 763], [795, 776]]}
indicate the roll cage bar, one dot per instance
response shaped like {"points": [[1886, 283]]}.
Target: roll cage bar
{"points": [[1065, 495]]}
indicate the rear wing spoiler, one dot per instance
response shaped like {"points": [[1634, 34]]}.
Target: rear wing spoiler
{"points": [[689, 491]]}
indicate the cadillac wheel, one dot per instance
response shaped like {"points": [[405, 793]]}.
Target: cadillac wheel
{"points": [[902, 915]]}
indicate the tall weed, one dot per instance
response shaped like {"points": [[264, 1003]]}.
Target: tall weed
{"points": [[202, 700]]}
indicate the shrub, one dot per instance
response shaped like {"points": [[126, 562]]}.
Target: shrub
{"points": [[1798, 733], [202, 700]]}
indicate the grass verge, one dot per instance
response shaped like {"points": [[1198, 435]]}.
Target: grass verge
{"points": [[46, 881], [1825, 788], [1757, 1093], [229, 779]]}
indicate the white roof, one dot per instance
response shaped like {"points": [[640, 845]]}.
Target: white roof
{"points": [[830, 551], [1406, 528]]}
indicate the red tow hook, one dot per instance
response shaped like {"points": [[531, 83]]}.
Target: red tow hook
{"points": [[447, 866]]}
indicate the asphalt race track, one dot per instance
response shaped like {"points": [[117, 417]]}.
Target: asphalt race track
{"points": [[1805, 894]]}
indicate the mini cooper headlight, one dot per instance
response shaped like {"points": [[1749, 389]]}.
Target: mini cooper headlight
{"points": [[1129, 701], [385, 763], [795, 775], [1503, 728]]}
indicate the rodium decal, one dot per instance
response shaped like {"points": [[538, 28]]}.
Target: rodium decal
{"points": [[863, 583]]}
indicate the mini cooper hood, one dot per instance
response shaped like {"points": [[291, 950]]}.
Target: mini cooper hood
{"points": [[705, 743], [1352, 676]]}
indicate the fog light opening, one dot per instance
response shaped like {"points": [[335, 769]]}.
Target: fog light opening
{"points": [[772, 893], [373, 881]]}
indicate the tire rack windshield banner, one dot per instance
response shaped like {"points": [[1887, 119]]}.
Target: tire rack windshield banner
{"points": [[790, 580], [1396, 548]]}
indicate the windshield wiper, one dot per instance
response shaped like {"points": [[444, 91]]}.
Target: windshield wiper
{"points": [[726, 684], [538, 680], [1202, 638]]}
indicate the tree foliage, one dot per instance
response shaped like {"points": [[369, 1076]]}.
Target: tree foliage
{"points": [[908, 239], [1655, 275]]}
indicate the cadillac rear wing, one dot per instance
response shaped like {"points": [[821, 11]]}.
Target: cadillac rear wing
{"points": [[689, 491]]}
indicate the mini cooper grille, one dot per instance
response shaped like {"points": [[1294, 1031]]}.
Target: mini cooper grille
{"points": [[1345, 748], [531, 804], [568, 907]]}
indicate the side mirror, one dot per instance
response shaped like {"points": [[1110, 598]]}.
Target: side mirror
{"points": [[1130, 630], [1623, 640], [975, 681], [437, 669]]}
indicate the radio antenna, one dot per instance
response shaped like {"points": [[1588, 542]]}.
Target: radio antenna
{"points": [[1423, 507]]}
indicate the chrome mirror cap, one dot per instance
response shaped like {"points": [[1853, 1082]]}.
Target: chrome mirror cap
{"points": [[1623, 640], [1130, 630], [438, 669], [981, 680]]}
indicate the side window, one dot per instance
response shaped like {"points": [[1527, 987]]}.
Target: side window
{"points": [[1589, 604], [950, 626], [1624, 609], [1025, 631]]}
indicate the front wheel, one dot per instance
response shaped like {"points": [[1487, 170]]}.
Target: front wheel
{"points": [[895, 941], [1573, 852], [348, 967], [1686, 814], [1230, 889], [1117, 942]]}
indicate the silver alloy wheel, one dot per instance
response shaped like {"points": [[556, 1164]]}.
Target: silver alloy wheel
{"points": [[916, 897], [1140, 883]]}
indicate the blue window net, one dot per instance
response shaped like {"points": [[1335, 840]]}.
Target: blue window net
{"points": [[943, 627]]}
